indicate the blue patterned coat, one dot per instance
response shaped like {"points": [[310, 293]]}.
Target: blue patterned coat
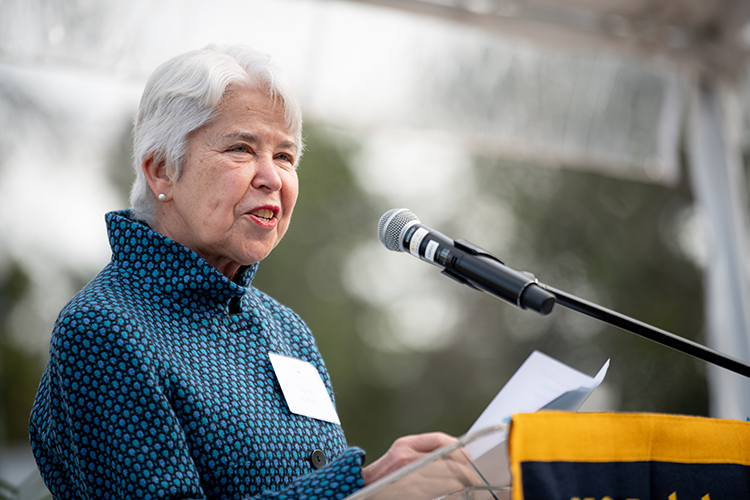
{"points": [[159, 386]]}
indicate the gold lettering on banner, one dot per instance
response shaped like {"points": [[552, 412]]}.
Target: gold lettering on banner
{"points": [[673, 496]]}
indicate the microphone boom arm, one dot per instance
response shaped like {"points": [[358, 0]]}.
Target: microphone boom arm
{"points": [[649, 332]]}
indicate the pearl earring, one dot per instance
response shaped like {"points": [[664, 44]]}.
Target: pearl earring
{"points": [[162, 197]]}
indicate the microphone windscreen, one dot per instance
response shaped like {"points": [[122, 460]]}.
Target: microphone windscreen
{"points": [[392, 224]]}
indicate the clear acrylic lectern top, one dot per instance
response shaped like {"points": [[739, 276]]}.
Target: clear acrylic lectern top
{"points": [[476, 467]]}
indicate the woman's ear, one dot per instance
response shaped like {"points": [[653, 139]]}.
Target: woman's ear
{"points": [[160, 176]]}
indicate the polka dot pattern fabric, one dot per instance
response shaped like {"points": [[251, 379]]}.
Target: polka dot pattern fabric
{"points": [[159, 386]]}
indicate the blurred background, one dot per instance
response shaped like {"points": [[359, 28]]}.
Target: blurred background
{"points": [[601, 145]]}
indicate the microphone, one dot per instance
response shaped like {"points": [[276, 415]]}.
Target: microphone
{"points": [[401, 231]]}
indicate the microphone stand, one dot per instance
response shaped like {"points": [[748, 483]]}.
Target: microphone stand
{"points": [[649, 332]]}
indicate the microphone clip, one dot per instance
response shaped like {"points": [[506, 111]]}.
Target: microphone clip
{"points": [[475, 250]]}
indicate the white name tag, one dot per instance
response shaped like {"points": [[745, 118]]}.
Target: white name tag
{"points": [[303, 388]]}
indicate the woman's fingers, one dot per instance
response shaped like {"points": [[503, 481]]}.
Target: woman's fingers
{"points": [[404, 451]]}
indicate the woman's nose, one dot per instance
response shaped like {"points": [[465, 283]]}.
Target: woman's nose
{"points": [[267, 175]]}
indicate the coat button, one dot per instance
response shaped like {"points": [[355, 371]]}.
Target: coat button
{"points": [[318, 459]]}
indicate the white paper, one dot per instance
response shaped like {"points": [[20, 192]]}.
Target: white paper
{"points": [[303, 388], [540, 383]]}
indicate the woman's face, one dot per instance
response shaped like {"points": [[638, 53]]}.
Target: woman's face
{"points": [[234, 198]]}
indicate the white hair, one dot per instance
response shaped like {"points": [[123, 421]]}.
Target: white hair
{"points": [[182, 95]]}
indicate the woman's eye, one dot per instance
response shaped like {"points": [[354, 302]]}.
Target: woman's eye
{"points": [[285, 157]]}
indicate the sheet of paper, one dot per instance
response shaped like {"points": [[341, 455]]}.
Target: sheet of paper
{"points": [[540, 383]]}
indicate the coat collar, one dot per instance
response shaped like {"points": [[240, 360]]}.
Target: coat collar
{"points": [[162, 263]]}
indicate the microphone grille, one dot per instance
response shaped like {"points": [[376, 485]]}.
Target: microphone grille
{"points": [[391, 224]]}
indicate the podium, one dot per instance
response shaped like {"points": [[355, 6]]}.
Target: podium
{"points": [[551, 455]]}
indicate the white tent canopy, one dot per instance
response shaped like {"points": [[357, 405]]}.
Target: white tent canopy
{"points": [[703, 34]]}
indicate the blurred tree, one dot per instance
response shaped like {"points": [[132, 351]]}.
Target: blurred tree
{"points": [[19, 372], [119, 165], [615, 243], [607, 240]]}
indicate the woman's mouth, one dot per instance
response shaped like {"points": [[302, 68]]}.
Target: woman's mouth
{"points": [[265, 216]]}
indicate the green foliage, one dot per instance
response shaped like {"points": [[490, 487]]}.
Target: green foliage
{"points": [[612, 242], [19, 370], [609, 241], [119, 167]]}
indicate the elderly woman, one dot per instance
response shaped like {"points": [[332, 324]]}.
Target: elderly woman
{"points": [[160, 382]]}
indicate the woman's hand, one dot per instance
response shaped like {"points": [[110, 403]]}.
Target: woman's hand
{"points": [[404, 451], [450, 474]]}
